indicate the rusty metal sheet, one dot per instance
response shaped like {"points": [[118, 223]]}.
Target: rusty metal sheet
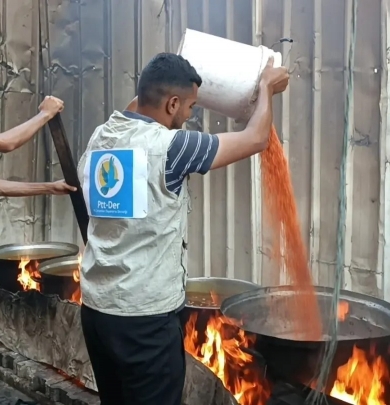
{"points": [[60, 36], [124, 50], [365, 142], [332, 123], [21, 219], [92, 56]]}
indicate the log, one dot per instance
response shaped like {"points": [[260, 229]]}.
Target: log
{"points": [[46, 329], [202, 386]]}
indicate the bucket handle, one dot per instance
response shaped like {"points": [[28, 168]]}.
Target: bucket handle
{"points": [[281, 41]]}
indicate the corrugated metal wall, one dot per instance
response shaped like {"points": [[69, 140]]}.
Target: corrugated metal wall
{"points": [[93, 52]]}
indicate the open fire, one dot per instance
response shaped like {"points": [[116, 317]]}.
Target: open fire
{"points": [[76, 296], [361, 381], [221, 353], [29, 272]]}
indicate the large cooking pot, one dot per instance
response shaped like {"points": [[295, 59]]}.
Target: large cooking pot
{"points": [[367, 324], [204, 296], [57, 276], [11, 255]]}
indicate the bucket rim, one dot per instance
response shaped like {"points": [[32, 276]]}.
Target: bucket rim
{"points": [[181, 44], [255, 93]]}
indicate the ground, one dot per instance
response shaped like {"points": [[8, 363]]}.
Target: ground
{"points": [[10, 396]]}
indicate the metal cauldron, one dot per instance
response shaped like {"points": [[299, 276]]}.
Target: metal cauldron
{"points": [[213, 288], [56, 276], [367, 325], [11, 255]]}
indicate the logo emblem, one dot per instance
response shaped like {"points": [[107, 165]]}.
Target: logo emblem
{"points": [[109, 175], [116, 183]]}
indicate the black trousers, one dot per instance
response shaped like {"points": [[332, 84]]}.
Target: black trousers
{"points": [[136, 360]]}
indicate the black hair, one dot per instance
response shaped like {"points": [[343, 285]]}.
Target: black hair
{"points": [[165, 71]]}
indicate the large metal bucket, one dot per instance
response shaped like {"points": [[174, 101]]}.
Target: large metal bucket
{"points": [[220, 288], [230, 72]]}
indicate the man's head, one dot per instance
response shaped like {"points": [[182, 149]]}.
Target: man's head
{"points": [[168, 89]]}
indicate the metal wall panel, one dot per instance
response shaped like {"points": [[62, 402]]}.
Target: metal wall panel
{"points": [[93, 53], [21, 218]]}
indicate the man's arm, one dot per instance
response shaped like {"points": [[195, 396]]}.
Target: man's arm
{"points": [[18, 136], [235, 146], [197, 152], [20, 189]]}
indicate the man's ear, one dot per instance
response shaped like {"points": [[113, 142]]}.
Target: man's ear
{"points": [[173, 105]]}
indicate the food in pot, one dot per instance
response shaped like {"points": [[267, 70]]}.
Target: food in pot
{"points": [[199, 299]]}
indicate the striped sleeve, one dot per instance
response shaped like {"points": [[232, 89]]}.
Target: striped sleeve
{"points": [[189, 152]]}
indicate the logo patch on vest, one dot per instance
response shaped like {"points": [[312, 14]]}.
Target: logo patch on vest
{"points": [[115, 183]]}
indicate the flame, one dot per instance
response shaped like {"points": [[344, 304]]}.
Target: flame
{"points": [[360, 381], [221, 353], [76, 296], [27, 270], [342, 310]]}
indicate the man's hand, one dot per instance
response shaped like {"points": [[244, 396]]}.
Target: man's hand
{"points": [[274, 78], [61, 188], [51, 106]]}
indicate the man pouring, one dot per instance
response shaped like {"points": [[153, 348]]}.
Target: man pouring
{"points": [[134, 177]]}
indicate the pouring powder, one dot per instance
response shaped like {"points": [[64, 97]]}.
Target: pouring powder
{"points": [[302, 312]]}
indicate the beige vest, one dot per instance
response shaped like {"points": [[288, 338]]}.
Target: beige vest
{"points": [[134, 267]]}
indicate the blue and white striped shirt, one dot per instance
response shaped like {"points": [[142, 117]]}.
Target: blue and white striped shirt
{"points": [[189, 152]]}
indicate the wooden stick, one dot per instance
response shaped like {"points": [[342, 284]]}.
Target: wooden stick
{"points": [[69, 170]]}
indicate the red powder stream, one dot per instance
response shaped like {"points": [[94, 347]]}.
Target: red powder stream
{"points": [[282, 217]]}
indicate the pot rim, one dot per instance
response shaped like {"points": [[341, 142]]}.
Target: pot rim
{"points": [[251, 286], [65, 266], [19, 251]]}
